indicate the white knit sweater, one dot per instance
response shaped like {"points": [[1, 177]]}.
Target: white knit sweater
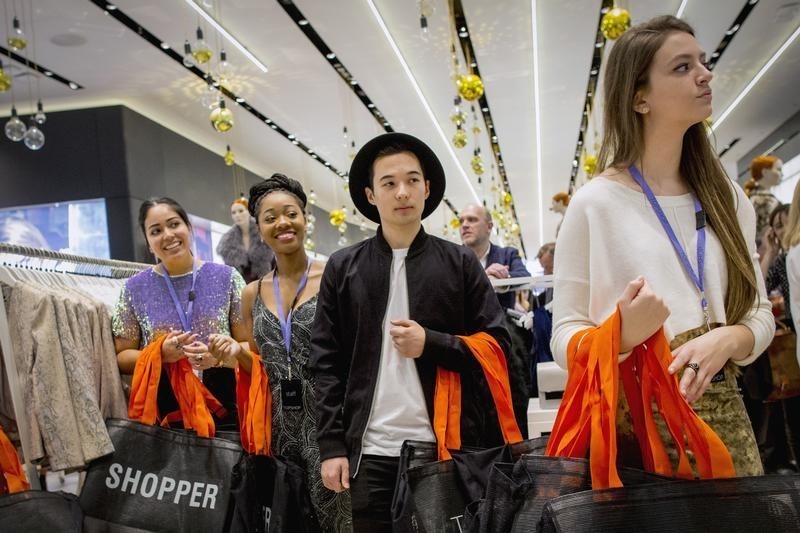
{"points": [[611, 235]]}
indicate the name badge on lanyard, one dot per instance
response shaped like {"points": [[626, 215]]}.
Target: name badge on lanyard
{"points": [[292, 388], [185, 317], [700, 226]]}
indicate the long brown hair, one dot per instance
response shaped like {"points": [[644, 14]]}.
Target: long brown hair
{"points": [[626, 73]]}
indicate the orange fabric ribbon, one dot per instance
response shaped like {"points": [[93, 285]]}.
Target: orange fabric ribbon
{"points": [[195, 400], [447, 396], [254, 402], [586, 419], [10, 468]]}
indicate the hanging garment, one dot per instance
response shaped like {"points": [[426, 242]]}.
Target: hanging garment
{"points": [[12, 478]]}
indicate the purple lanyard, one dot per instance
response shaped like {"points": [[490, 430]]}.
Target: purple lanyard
{"points": [[286, 323], [700, 220], [184, 317]]}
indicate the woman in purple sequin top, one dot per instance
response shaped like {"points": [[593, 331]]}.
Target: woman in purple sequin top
{"points": [[146, 308]]}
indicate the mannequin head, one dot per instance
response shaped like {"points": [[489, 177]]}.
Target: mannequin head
{"points": [[560, 203], [766, 170], [239, 213]]}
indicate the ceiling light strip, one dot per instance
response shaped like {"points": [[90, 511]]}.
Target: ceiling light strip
{"points": [[537, 112], [591, 90], [421, 96], [682, 8], [40, 69], [716, 124], [468, 51], [731, 32], [157, 43], [230, 38], [333, 60]]}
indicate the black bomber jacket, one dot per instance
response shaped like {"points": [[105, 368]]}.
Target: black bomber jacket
{"points": [[449, 294]]}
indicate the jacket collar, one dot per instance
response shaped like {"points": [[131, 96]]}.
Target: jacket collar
{"points": [[416, 245]]}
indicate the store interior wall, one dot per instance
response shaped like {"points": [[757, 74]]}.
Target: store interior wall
{"points": [[783, 143], [124, 157]]}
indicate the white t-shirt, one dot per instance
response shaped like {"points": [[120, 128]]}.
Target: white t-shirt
{"points": [[611, 235], [398, 405]]}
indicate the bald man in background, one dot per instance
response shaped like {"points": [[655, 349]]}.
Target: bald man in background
{"points": [[499, 262]]}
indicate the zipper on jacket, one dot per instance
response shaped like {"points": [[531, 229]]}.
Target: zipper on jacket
{"points": [[369, 416]]}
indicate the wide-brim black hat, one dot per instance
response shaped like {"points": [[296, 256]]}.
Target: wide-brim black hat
{"points": [[361, 169]]}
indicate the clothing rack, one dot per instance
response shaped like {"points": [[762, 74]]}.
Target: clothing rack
{"points": [[21, 263]]}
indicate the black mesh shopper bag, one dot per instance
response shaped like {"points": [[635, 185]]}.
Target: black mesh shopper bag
{"points": [[555, 476], [269, 495], [431, 495], [35, 511], [753, 504], [159, 480]]}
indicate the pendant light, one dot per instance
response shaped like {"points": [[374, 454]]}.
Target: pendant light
{"points": [[16, 40], [15, 128], [5, 79], [34, 137], [201, 52]]}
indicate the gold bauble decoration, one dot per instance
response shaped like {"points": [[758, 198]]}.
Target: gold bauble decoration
{"points": [[221, 118], [309, 243], [5, 80], [470, 87], [514, 229], [229, 158], [17, 43], [590, 164], [476, 129], [507, 199], [203, 54], [615, 22], [337, 217], [477, 165], [455, 223], [460, 138], [458, 117]]}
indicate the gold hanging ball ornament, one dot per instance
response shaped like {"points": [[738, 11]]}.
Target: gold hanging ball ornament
{"points": [[460, 138], [337, 217], [455, 223], [458, 117], [470, 87], [477, 165], [514, 229], [590, 164], [309, 243], [476, 129], [5, 79], [507, 199], [229, 158], [221, 118], [615, 23]]}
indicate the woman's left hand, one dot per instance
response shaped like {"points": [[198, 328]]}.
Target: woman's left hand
{"points": [[701, 358], [197, 353]]}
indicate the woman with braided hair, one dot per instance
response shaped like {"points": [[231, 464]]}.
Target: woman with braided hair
{"points": [[278, 311]]}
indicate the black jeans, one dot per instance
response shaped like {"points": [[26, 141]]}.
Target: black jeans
{"points": [[371, 494]]}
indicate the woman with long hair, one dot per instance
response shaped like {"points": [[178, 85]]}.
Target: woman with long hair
{"points": [[666, 237], [185, 299], [279, 312]]}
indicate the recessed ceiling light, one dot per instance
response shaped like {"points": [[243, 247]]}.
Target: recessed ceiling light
{"points": [[111, 7], [164, 46], [302, 22], [48, 73], [73, 85], [732, 30], [295, 141], [371, 105], [353, 82], [239, 99], [273, 126], [331, 56], [598, 44], [463, 34], [485, 109]]}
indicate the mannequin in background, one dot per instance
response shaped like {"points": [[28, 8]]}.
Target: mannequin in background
{"points": [[242, 248], [766, 172]]}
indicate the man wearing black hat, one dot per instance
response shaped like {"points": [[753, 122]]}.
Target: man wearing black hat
{"points": [[388, 314]]}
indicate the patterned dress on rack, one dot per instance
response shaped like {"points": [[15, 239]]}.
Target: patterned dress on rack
{"points": [[294, 432]]}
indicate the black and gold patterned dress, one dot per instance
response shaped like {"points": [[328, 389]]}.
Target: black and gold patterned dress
{"points": [[294, 431]]}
